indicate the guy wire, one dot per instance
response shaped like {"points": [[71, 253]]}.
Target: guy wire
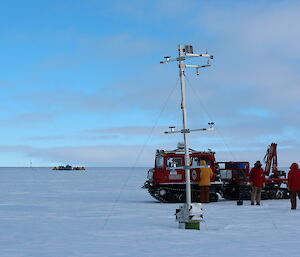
{"points": [[211, 118], [140, 153]]}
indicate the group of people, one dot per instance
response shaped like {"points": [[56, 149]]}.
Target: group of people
{"points": [[257, 181]]}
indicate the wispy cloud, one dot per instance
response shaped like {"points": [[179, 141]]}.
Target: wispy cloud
{"points": [[65, 138], [28, 118], [33, 117], [133, 130], [256, 112]]}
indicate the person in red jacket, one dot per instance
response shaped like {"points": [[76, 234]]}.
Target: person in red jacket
{"points": [[294, 184], [257, 181]]}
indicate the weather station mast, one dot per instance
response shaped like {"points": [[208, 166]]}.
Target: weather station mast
{"points": [[189, 215]]}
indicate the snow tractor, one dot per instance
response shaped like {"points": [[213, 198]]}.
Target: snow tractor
{"points": [[166, 181]]}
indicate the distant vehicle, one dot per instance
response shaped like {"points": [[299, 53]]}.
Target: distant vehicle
{"points": [[68, 167]]}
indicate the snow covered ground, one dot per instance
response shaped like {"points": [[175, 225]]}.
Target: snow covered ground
{"points": [[103, 212]]}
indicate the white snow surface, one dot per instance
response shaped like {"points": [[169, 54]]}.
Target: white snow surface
{"points": [[104, 212]]}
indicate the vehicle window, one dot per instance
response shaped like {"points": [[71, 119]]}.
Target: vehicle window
{"points": [[195, 161], [240, 173], [174, 162], [226, 174], [159, 161], [221, 165]]}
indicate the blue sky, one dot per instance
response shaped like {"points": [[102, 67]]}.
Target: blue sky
{"points": [[81, 81]]}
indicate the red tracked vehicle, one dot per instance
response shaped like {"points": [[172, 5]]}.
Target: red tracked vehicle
{"points": [[166, 181]]}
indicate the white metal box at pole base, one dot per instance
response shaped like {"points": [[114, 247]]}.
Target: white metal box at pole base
{"points": [[189, 217]]}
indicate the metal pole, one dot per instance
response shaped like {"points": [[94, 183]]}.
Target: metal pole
{"points": [[185, 135]]}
